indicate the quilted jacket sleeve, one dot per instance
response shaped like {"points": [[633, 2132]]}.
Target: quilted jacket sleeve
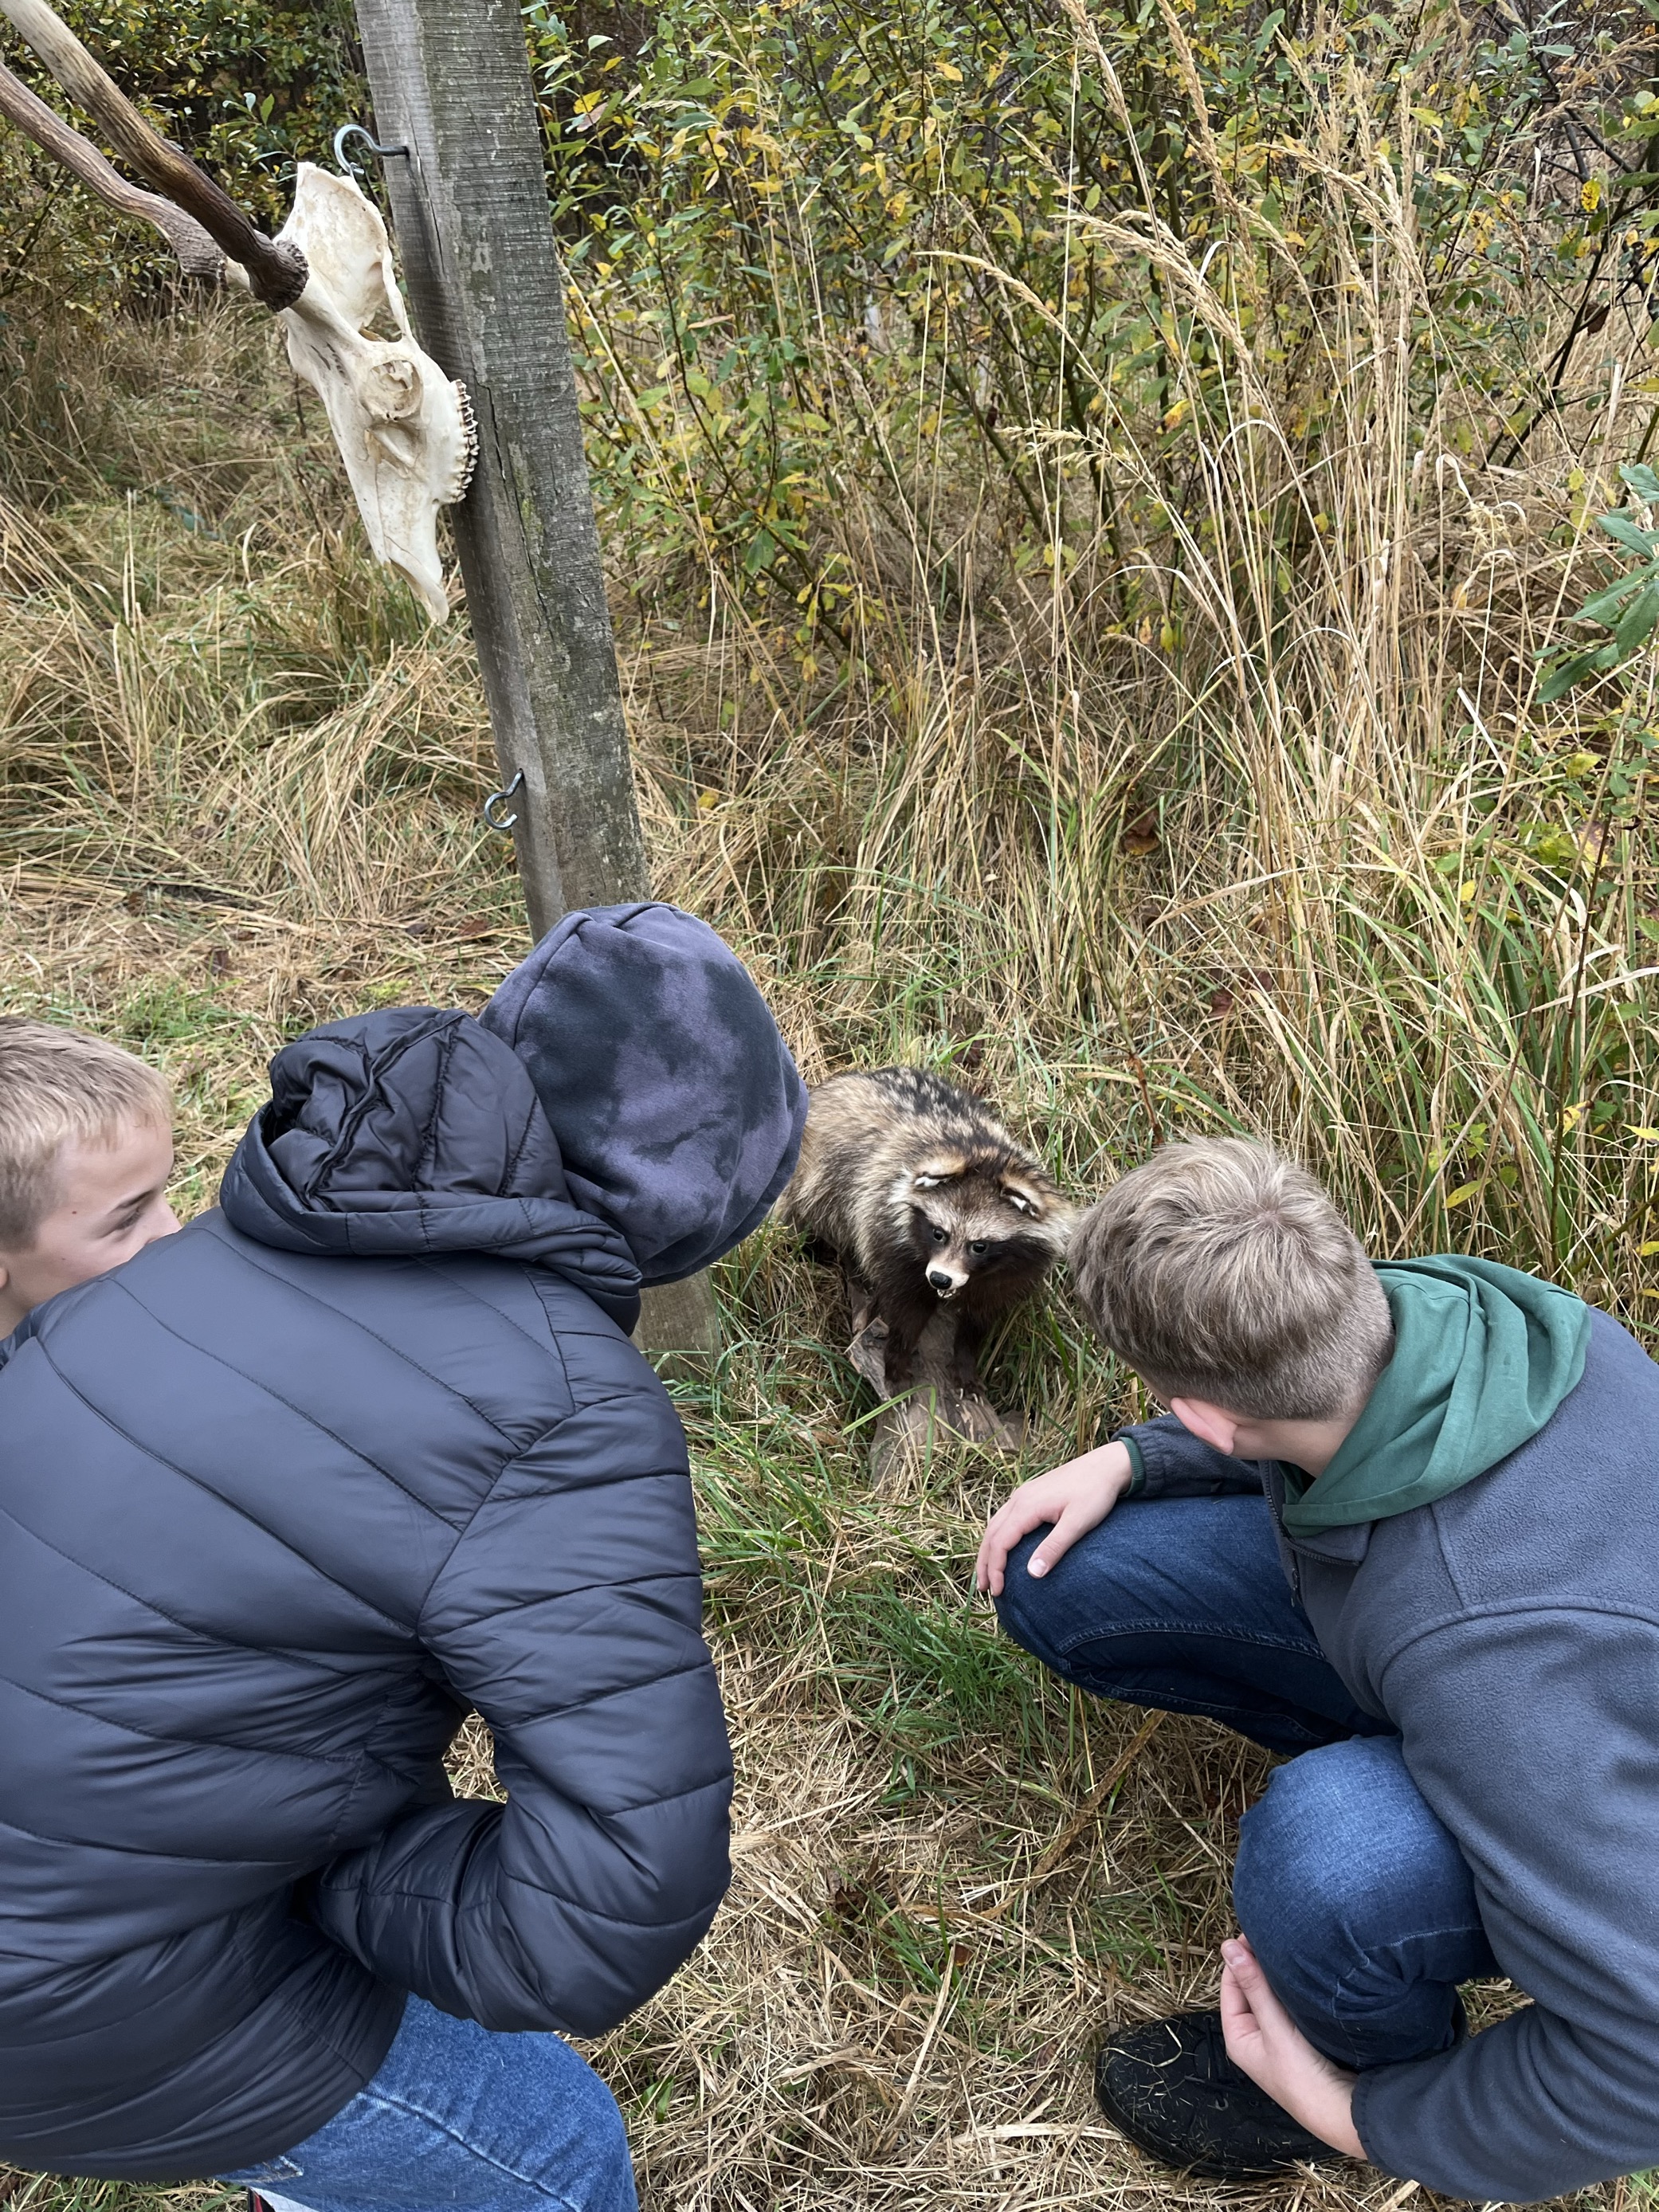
{"points": [[568, 1614]]}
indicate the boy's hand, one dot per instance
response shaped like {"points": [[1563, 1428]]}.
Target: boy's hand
{"points": [[1264, 2042], [1075, 1497]]}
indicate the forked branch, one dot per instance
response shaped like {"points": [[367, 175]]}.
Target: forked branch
{"points": [[197, 256], [276, 271]]}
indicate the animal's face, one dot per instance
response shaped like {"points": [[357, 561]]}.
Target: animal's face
{"points": [[963, 1223]]}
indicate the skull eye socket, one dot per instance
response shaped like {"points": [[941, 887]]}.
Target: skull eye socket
{"points": [[941, 1237]]}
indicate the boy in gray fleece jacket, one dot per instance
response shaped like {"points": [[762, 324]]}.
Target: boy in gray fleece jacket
{"points": [[1403, 1523]]}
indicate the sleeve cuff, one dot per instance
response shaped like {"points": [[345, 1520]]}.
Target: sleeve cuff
{"points": [[1138, 1465]]}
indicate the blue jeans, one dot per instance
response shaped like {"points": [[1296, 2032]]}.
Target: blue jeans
{"points": [[459, 2118], [1355, 1898]]}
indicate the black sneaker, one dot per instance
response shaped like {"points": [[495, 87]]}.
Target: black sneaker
{"points": [[1169, 2086]]}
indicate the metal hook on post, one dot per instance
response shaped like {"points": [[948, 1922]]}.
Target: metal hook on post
{"points": [[500, 798], [356, 131]]}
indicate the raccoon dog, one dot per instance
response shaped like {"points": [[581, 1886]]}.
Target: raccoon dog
{"points": [[927, 1201]]}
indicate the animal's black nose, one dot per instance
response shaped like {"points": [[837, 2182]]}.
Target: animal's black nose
{"points": [[939, 1279]]}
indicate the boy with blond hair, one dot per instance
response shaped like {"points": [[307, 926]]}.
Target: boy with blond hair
{"points": [[86, 1150], [1401, 1523]]}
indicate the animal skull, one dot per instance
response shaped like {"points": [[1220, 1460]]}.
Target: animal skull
{"points": [[404, 429]]}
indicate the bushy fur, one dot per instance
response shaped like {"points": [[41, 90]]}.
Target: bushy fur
{"points": [[903, 1176]]}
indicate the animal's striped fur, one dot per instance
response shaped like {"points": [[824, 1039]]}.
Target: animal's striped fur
{"points": [[926, 1201]]}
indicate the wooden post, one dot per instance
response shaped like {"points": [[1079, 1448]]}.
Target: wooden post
{"points": [[450, 81]]}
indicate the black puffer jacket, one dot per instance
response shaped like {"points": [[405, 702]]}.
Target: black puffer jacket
{"points": [[270, 1519]]}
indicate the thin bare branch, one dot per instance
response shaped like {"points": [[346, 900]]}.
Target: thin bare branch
{"points": [[197, 256], [276, 272]]}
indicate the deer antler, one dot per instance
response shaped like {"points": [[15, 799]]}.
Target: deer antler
{"points": [[276, 271], [197, 255], [404, 428]]}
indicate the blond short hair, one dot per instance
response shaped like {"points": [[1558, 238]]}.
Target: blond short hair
{"points": [[1221, 1270], [58, 1086]]}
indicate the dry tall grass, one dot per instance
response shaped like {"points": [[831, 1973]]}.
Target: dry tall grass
{"points": [[1306, 862]]}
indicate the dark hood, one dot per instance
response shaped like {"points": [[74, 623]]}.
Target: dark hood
{"points": [[677, 1109], [412, 1132]]}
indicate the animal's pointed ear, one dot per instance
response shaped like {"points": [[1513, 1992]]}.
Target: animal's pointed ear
{"points": [[943, 1167]]}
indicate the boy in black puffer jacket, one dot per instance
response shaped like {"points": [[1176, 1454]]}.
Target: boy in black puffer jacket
{"points": [[286, 1495]]}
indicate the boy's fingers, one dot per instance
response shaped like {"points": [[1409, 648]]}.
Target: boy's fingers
{"points": [[1240, 2026], [1017, 1518], [1264, 2014], [1246, 1970], [1075, 1521], [1005, 1530]]}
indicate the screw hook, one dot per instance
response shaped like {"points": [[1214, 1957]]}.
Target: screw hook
{"points": [[503, 823], [356, 131]]}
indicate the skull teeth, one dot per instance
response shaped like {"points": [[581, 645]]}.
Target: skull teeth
{"points": [[470, 433]]}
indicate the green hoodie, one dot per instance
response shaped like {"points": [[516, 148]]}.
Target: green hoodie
{"points": [[1483, 1356]]}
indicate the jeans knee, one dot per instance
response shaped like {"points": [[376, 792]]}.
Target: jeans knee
{"points": [[1341, 1847], [609, 2175], [1025, 1607], [1294, 1843], [1283, 1864]]}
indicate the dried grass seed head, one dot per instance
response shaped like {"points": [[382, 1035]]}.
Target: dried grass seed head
{"points": [[1221, 1270], [59, 1086]]}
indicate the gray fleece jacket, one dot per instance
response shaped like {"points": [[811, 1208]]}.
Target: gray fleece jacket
{"points": [[1511, 1633]]}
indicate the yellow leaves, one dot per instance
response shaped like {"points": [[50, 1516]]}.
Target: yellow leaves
{"points": [[1590, 195], [708, 800], [1648, 1137], [1466, 891], [1579, 765], [1461, 1195], [952, 76]]}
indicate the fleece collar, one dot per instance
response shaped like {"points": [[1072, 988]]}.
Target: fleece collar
{"points": [[1483, 1356]]}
